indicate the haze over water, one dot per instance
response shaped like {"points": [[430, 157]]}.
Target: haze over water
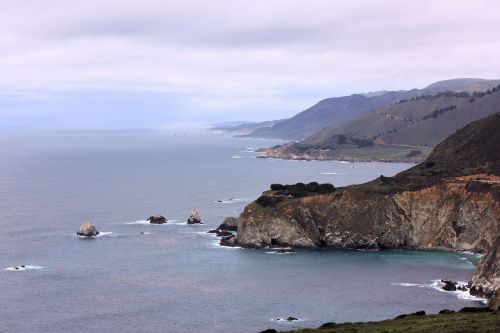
{"points": [[174, 277]]}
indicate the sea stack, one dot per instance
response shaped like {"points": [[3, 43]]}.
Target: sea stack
{"points": [[157, 219], [194, 218], [87, 230]]}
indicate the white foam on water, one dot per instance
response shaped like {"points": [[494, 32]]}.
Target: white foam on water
{"points": [[216, 244], [236, 157], [276, 252], [328, 173], [231, 201], [106, 234], [403, 284], [461, 294], [438, 285], [146, 222], [285, 321], [137, 222], [25, 268]]}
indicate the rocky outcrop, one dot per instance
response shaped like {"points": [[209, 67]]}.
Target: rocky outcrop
{"points": [[486, 279], [194, 217], [450, 201], [157, 219], [229, 224], [87, 230], [445, 215]]}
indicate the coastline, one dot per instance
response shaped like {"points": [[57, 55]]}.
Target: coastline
{"points": [[467, 320], [388, 154]]}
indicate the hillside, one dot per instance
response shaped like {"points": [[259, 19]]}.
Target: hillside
{"points": [[451, 200], [416, 123], [465, 321], [334, 111]]}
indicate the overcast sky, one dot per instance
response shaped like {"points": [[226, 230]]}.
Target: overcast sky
{"points": [[157, 63]]}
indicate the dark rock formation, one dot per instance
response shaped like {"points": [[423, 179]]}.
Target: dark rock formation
{"points": [[449, 285], [157, 219], [220, 233], [87, 230], [486, 279], [194, 217], [229, 224], [430, 206], [228, 241], [291, 319]]}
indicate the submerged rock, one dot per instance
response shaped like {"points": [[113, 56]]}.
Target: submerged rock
{"points": [[194, 218], [87, 230], [291, 319], [157, 219]]}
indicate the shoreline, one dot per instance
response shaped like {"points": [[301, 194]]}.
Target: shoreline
{"points": [[466, 320]]}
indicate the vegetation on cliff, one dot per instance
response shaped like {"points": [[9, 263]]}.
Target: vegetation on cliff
{"points": [[445, 322], [451, 200]]}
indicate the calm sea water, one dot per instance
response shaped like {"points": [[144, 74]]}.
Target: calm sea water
{"points": [[175, 278]]}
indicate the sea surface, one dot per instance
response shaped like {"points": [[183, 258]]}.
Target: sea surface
{"points": [[174, 277]]}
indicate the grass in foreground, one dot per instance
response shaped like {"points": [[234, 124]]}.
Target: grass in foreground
{"points": [[455, 322]]}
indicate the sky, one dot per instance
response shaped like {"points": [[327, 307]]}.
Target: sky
{"points": [[106, 63]]}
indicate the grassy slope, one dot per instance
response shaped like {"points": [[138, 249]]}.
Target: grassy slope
{"points": [[459, 322]]}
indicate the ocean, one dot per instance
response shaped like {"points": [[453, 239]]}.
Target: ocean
{"points": [[137, 277]]}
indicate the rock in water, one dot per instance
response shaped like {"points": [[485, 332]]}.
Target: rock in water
{"points": [[229, 224], [87, 230], [194, 218], [157, 219], [449, 285]]}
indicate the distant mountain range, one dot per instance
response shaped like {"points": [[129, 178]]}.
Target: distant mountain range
{"points": [[404, 131], [331, 112]]}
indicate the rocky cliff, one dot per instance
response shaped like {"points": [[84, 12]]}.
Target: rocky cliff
{"points": [[450, 201]]}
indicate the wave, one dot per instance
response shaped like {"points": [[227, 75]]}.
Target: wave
{"points": [[276, 252], [145, 222], [23, 268], [101, 234], [328, 173], [236, 157], [216, 244], [231, 201], [437, 285], [286, 321], [461, 294]]}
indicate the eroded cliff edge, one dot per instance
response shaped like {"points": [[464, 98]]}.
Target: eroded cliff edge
{"points": [[451, 200]]}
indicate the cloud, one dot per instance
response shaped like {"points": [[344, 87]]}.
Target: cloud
{"points": [[234, 59]]}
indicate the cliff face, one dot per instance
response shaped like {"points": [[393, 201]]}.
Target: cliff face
{"points": [[451, 200], [451, 215]]}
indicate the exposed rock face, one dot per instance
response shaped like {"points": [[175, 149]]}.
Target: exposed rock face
{"points": [[446, 215], [194, 218], [486, 279], [229, 224], [451, 200], [87, 230], [157, 219]]}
